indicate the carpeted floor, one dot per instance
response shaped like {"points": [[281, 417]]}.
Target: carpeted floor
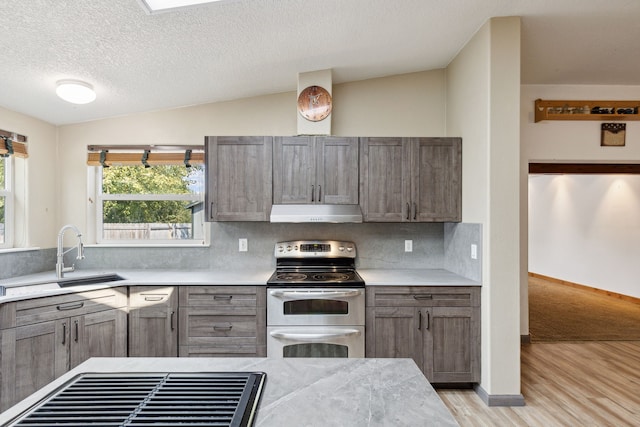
{"points": [[563, 313]]}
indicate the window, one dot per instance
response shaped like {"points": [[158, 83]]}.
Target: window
{"points": [[6, 203], [158, 204]]}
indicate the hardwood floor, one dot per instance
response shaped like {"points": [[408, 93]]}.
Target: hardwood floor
{"points": [[592, 383]]}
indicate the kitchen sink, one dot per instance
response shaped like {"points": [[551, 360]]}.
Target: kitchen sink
{"points": [[89, 280], [43, 287]]}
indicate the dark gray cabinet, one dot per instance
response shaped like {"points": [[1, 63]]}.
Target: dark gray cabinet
{"points": [[438, 327], [42, 338], [411, 179], [239, 178], [315, 169], [222, 321], [153, 321]]}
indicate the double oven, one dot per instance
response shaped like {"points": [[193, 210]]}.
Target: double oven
{"points": [[315, 301]]}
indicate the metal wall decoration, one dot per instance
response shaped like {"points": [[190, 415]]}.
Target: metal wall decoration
{"points": [[613, 134]]}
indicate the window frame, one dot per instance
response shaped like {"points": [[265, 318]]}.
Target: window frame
{"points": [[8, 193], [101, 197]]}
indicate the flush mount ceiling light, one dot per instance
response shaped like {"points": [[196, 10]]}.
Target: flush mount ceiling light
{"points": [[75, 91], [157, 6]]}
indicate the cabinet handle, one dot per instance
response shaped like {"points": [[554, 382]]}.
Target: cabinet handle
{"points": [[419, 320], [70, 306], [223, 297], [427, 325], [64, 333], [222, 328], [408, 211], [313, 195], [320, 193], [173, 315], [211, 211], [75, 324], [415, 211], [153, 298], [423, 296]]}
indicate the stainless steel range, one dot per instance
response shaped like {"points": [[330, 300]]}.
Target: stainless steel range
{"points": [[315, 301]]}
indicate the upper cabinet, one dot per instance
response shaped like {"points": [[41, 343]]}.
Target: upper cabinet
{"points": [[411, 179], [239, 186], [318, 169]]}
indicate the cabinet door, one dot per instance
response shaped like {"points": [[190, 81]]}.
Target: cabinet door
{"points": [[393, 332], [153, 319], [337, 170], [451, 343], [32, 356], [238, 174], [101, 334], [294, 170], [436, 179], [384, 177]]}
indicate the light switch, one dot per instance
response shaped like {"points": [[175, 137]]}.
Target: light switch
{"points": [[243, 245], [474, 251], [408, 245]]}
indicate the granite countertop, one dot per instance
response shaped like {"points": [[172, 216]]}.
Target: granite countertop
{"points": [[414, 277], [303, 392], [44, 284]]}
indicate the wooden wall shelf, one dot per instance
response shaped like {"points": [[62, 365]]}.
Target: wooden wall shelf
{"points": [[587, 110]]}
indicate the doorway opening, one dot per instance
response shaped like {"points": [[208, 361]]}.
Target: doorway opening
{"points": [[584, 225]]}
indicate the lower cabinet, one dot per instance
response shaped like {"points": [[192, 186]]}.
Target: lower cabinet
{"points": [[438, 327], [153, 321], [222, 321], [43, 338]]}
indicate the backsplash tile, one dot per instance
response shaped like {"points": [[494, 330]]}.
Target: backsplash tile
{"points": [[21, 263], [380, 245], [458, 238]]}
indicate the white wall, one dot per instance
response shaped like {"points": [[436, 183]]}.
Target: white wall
{"points": [[35, 183], [569, 141], [402, 105], [483, 84], [585, 229]]}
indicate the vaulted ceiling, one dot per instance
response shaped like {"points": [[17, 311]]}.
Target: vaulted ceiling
{"points": [[242, 48]]}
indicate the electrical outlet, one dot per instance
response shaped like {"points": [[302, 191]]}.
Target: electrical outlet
{"points": [[408, 245], [474, 251], [243, 245]]}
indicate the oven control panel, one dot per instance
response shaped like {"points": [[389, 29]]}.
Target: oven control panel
{"points": [[315, 249]]}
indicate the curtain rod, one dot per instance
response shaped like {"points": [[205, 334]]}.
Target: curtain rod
{"points": [[14, 136], [146, 147]]}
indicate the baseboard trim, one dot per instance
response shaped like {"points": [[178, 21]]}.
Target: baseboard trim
{"points": [[586, 288], [525, 339], [499, 399]]}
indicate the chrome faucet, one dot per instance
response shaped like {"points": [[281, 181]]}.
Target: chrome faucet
{"points": [[60, 268]]}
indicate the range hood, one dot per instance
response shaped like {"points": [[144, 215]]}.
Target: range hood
{"points": [[316, 213]]}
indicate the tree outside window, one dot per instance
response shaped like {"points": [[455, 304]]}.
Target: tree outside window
{"points": [[159, 203]]}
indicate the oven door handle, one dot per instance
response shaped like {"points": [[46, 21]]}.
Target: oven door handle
{"points": [[320, 336], [315, 294]]}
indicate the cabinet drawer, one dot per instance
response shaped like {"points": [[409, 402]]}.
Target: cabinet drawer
{"points": [[200, 326], [57, 307], [205, 324], [222, 296], [146, 296], [228, 351], [422, 296]]}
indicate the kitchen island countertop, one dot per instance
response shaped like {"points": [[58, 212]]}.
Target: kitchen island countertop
{"points": [[303, 392]]}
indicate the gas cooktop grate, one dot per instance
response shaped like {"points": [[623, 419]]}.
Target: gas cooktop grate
{"points": [[150, 399]]}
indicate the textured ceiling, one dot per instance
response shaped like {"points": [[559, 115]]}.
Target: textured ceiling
{"points": [[139, 62]]}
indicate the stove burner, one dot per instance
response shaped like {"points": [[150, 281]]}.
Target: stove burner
{"points": [[291, 276], [330, 277]]}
